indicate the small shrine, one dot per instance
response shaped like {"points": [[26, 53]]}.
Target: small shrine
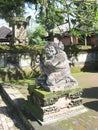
{"points": [[19, 29]]}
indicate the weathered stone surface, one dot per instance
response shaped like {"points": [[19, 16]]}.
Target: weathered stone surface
{"points": [[48, 106], [56, 93], [43, 98], [20, 25], [55, 69]]}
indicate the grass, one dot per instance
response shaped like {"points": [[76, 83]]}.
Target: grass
{"points": [[22, 81], [80, 73], [32, 80], [83, 47]]}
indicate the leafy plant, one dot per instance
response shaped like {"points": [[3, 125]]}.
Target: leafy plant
{"points": [[37, 37]]}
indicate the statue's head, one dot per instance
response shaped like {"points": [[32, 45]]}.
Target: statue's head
{"points": [[53, 48], [50, 49]]}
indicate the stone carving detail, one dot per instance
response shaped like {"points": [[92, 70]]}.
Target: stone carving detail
{"points": [[20, 25], [55, 69], [52, 105], [73, 98], [55, 105], [21, 34]]}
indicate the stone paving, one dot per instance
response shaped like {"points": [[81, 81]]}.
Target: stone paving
{"points": [[8, 119], [84, 121]]}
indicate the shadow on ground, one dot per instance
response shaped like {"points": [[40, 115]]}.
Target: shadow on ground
{"points": [[7, 112], [92, 105], [91, 93]]}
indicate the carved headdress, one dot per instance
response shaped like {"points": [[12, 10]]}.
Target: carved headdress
{"points": [[58, 46]]}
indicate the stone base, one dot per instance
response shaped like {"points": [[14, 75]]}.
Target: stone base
{"points": [[49, 107], [62, 115]]}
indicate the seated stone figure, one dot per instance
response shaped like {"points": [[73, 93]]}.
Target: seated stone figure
{"points": [[55, 69]]}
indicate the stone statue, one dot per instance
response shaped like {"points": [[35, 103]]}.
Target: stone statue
{"points": [[55, 69], [21, 34], [20, 25]]}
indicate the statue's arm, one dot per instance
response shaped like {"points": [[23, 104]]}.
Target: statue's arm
{"points": [[51, 62], [48, 62], [58, 60]]}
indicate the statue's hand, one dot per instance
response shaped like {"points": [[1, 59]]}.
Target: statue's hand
{"points": [[47, 62]]}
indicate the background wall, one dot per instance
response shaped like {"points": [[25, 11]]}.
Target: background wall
{"points": [[24, 65]]}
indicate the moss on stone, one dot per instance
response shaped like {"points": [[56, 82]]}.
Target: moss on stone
{"points": [[44, 94], [35, 110]]}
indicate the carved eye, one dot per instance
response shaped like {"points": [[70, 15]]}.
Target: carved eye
{"points": [[52, 50]]}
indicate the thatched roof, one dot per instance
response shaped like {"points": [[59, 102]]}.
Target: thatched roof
{"points": [[5, 34]]}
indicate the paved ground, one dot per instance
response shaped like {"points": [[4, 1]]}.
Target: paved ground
{"points": [[8, 118], [85, 121], [89, 119]]}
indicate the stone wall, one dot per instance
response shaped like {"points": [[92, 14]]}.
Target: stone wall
{"points": [[24, 60], [87, 57], [85, 61]]}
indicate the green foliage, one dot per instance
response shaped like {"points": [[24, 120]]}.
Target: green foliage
{"points": [[76, 69], [54, 13], [72, 50], [84, 14], [39, 49], [50, 14], [20, 50], [96, 20], [34, 49], [3, 69], [76, 32], [84, 48], [9, 9], [37, 37], [22, 81]]}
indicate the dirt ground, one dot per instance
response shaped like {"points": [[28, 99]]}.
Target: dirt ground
{"points": [[89, 83], [86, 80]]}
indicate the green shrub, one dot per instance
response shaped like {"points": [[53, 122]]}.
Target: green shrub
{"points": [[33, 51], [71, 50]]}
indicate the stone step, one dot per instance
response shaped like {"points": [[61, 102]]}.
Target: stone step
{"points": [[18, 102]]}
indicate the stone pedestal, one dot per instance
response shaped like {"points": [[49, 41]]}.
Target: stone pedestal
{"points": [[48, 107]]}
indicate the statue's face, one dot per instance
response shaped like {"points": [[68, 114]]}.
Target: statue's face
{"points": [[50, 51]]}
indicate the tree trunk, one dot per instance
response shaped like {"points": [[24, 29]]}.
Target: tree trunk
{"points": [[85, 40]]}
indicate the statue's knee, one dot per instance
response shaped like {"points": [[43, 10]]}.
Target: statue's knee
{"points": [[51, 80]]}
